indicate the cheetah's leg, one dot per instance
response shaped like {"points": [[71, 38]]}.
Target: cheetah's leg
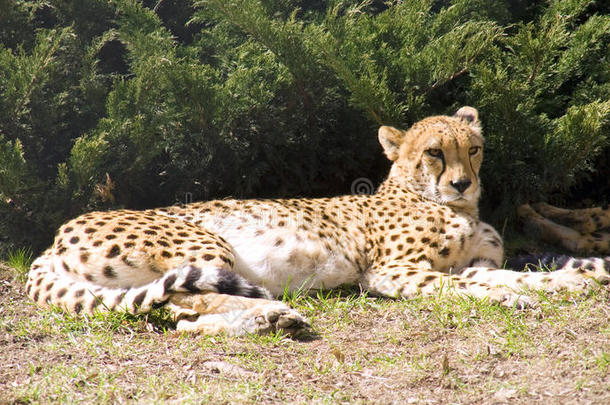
{"points": [[399, 279], [584, 220], [574, 275], [498, 285], [567, 237], [215, 313], [571, 273]]}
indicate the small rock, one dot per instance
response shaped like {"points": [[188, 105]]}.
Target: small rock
{"points": [[226, 368], [504, 394]]}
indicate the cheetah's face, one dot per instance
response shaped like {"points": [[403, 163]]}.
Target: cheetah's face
{"points": [[439, 157]]}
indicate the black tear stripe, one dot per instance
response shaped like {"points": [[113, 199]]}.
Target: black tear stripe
{"points": [[438, 179], [472, 168]]}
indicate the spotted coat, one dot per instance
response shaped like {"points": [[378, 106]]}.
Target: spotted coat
{"points": [[418, 234]]}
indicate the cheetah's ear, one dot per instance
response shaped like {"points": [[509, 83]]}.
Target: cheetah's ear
{"points": [[470, 116], [390, 139]]}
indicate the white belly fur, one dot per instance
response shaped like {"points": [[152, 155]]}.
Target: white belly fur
{"points": [[301, 261]]}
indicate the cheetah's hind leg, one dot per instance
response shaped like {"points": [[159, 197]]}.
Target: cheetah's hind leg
{"points": [[571, 239], [214, 313], [584, 220]]}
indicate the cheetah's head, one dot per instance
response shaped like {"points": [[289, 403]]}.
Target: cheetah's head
{"points": [[438, 157]]}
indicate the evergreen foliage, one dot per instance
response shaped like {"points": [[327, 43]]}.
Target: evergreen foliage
{"points": [[143, 103]]}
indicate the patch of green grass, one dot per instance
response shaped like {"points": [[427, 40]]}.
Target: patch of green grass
{"points": [[55, 321], [20, 260], [336, 304], [296, 296], [111, 321], [603, 361], [273, 339]]}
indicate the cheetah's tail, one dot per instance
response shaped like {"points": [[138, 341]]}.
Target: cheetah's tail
{"points": [[48, 287], [552, 261]]}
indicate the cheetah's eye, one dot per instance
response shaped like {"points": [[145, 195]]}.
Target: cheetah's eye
{"points": [[436, 153], [474, 150]]}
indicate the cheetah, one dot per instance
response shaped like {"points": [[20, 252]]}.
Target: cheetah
{"points": [[218, 264], [584, 230]]}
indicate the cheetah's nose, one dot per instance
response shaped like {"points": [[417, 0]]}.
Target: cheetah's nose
{"points": [[461, 185]]}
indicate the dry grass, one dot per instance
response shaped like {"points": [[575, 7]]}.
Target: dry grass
{"points": [[363, 350]]}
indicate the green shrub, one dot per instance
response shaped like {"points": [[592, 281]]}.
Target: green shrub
{"points": [[126, 103]]}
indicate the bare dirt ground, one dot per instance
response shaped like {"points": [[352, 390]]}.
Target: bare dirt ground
{"points": [[362, 350]]}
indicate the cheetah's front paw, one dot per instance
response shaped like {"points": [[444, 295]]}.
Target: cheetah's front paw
{"points": [[260, 319], [274, 318], [510, 298]]}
